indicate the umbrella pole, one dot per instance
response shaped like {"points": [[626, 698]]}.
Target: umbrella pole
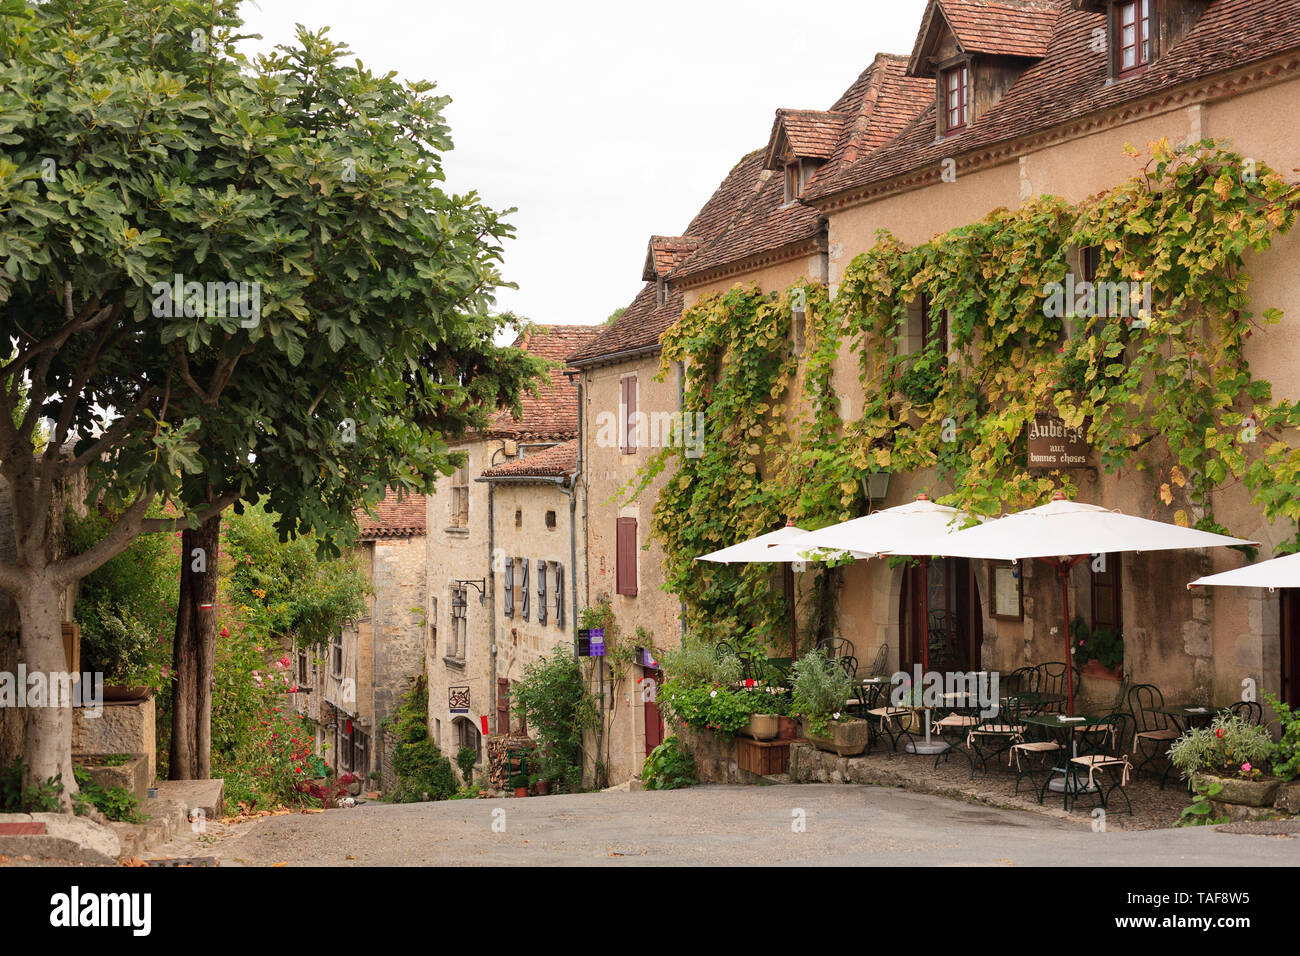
{"points": [[925, 615], [1063, 574]]}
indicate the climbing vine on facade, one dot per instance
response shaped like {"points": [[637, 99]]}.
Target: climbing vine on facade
{"points": [[1155, 373]]}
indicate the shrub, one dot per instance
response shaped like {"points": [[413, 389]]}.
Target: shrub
{"points": [[423, 773], [821, 686], [466, 757], [1286, 752], [43, 798], [552, 698], [1228, 747], [116, 803], [711, 708], [669, 766], [697, 662]]}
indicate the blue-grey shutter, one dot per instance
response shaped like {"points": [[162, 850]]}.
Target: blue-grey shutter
{"points": [[509, 592], [541, 592], [523, 587], [559, 595]]}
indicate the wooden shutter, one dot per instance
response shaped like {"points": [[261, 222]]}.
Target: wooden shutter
{"points": [[559, 595], [625, 556], [508, 594], [1106, 594], [541, 592], [629, 414], [523, 588], [503, 705]]}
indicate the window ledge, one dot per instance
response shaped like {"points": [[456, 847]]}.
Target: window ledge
{"points": [[459, 531], [454, 661]]}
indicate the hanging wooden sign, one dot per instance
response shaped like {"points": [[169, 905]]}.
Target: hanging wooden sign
{"points": [[1054, 444]]}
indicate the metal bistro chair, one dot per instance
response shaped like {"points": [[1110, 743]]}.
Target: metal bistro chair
{"points": [[1107, 772], [953, 726], [880, 662], [1033, 755], [836, 646], [999, 733], [1051, 680], [1153, 732], [1252, 712]]}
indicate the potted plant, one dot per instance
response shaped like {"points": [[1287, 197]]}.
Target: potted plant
{"points": [[821, 688], [769, 710], [1097, 652], [1230, 757]]}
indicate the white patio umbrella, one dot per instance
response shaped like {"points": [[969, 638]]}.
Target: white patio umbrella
{"points": [[915, 529], [1062, 533], [1283, 572], [775, 547]]}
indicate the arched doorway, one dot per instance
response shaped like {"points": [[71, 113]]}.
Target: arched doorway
{"points": [[955, 619]]}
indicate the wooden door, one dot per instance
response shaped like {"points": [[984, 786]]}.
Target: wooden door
{"points": [[1290, 639], [654, 722]]}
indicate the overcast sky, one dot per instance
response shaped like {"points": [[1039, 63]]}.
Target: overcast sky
{"points": [[603, 123]]}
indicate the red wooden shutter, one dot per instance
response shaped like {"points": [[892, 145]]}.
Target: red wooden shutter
{"points": [[625, 555], [503, 705], [629, 415]]}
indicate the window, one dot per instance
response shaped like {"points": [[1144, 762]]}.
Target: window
{"points": [[508, 599], [541, 592], [625, 556], [627, 407], [662, 291], [519, 518], [1133, 32], [302, 668], [956, 97], [336, 655], [433, 626], [360, 751], [1105, 585], [934, 328], [460, 497], [550, 519]]}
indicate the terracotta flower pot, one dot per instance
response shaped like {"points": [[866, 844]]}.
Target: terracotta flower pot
{"points": [[787, 728], [762, 726], [118, 692], [521, 791], [848, 737], [1094, 668]]}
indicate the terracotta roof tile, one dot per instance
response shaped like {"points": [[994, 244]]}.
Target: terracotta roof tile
{"points": [[552, 413], [1071, 82], [558, 461], [394, 517], [809, 134], [664, 253], [1001, 27]]}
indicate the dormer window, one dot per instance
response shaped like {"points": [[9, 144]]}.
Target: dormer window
{"points": [[1132, 31], [662, 291], [797, 174], [956, 97]]}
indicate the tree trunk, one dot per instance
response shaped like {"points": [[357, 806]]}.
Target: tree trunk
{"points": [[193, 652], [48, 746]]}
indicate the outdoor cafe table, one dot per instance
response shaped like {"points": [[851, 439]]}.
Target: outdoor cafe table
{"points": [[1186, 715], [930, 746], [1057, 723]]}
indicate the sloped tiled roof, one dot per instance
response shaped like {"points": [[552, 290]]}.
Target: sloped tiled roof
{"points": [[1070, 83], [394, 517], [888, 100], [1000, 27], [551, 414], [644, 321], [558, 461], [664, 253], [810, 134]]}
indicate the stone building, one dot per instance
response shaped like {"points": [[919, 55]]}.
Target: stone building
{"points": [[351, 686], [997, 103], [487, 555]]}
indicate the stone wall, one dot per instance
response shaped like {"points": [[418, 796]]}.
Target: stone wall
{"points": [[124, 727]]}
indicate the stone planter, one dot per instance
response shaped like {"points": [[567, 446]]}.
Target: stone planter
{"points": [[1241, 792], [762, 726], [848, 737], [1288, 797]]}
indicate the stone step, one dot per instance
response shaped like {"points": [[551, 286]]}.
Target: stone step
{"points": [[205, 795]]}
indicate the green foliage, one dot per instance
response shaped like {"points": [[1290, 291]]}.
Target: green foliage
{"points": [[465, 760], [1286, 752], [697, 662], [286, 587], [820, 688], [116, 803], [126, 608], [14, 798], [713, 707], [1200, 813], [669, 766], [1103, 644], [1167, 393], [1230, 746], [553, 698], [423, 773]]}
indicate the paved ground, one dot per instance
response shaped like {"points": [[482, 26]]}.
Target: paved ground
{"points": [[844, 825]]}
